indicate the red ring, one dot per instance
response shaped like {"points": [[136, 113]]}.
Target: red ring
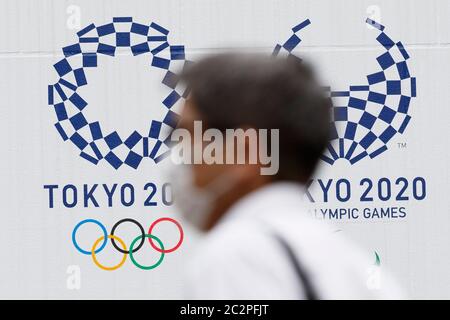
{"points": [[179, 241]]}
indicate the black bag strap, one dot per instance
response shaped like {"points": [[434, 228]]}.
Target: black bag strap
{"points": [[302, 275]]}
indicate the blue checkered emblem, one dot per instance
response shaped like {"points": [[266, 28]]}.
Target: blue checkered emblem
{"points": [[88, 135], [367, 116]]}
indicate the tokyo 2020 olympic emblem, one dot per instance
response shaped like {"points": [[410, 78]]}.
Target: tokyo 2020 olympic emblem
{"points": [[367, 116], [122, 248], [88, 135]]}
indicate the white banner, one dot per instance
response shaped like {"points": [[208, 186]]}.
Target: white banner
{"points": [[88, 98]]}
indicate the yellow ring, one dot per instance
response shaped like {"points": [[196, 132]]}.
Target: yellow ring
{"points": [[94, 257]]}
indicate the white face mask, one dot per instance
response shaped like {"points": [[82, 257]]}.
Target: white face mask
{"points": [[195, 204]]}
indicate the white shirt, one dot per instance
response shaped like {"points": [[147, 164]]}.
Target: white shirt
{"points": [[241, 258]]}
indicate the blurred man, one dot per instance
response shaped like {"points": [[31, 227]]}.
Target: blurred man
{"points": [[259, 242]]}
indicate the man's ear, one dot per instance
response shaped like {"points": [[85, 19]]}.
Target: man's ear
{"points": [[246, 172], [251, 146]]}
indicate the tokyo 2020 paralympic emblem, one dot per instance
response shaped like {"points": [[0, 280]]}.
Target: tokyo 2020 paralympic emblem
{"points": [[88, 135], [367, 116]]}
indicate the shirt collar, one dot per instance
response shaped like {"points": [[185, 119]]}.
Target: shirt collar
{"points": [[270, 199]]}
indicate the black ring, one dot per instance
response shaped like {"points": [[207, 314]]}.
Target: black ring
{"points": [[136, 223]]}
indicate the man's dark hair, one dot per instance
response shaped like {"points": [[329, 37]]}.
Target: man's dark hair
{"points": [[263, 92]]}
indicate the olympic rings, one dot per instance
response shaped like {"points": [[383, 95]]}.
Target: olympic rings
{"points": [[94, 257], [74, 240], [136, 223], [162, 248], [142, 239], [123, 247]]}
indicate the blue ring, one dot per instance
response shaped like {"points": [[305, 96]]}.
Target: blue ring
{"points": [[105, 234]]}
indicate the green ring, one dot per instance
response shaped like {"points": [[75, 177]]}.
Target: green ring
{"points": [[146, 267]]}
